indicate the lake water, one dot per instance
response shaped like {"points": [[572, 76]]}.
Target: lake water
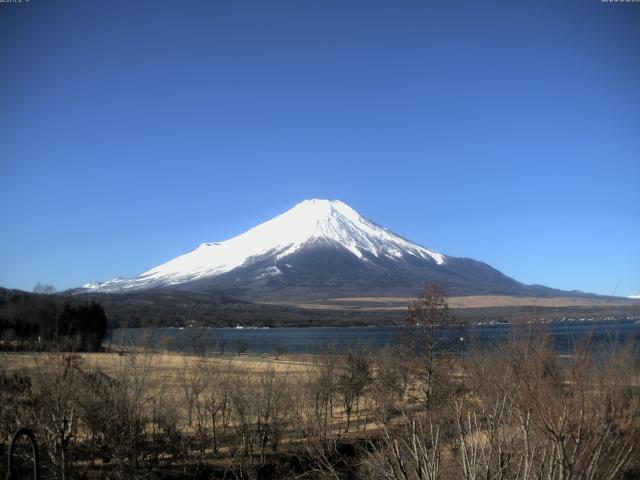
{"points": [[319, 339]]}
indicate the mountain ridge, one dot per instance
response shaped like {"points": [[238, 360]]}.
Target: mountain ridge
{"points": [[320, 249]]}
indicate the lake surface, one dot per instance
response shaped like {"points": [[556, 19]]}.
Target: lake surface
{"points": [[319, 339]]}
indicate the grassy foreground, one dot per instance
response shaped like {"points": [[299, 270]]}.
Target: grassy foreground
{"points": [[519, 411]]}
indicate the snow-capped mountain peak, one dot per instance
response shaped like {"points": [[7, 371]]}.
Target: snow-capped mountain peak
{"points": [[311, 222]]}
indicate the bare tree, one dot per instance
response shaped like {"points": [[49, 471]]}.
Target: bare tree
{"points": [[192, 385], [273, 402], [217, 393], [44, 288], [389, 382], [321, 389], [419, 340], [354, 377]]}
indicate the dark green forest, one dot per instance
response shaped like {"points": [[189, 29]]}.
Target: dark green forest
{"points": [[42, 322]]}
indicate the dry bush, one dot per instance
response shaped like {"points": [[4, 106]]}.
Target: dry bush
{"points": [[528, 414], [56, 410], [262, 411], [15, 403], [540, 418], [412, 451]]}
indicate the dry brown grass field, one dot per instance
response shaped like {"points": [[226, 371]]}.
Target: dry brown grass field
{"points": [[472, 301], [163, 364]]}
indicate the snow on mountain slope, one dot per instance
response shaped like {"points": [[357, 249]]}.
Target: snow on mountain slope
{"points": [[307, 223]]}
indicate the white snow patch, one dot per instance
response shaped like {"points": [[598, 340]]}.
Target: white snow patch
{"points": [[268, 273]]}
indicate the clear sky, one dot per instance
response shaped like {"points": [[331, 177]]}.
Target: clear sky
{"points": [[132, 131]]}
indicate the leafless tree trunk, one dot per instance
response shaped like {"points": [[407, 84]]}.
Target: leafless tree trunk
{"points": [[419, 339], [354, 377]]}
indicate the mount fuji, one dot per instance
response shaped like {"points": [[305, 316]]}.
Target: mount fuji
{"points": [[319, 249]]}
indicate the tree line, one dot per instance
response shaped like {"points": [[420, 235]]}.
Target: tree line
{"points": [[41, 322]]}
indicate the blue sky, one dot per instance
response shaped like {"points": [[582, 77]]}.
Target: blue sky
{"points": [[504, 131]]}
